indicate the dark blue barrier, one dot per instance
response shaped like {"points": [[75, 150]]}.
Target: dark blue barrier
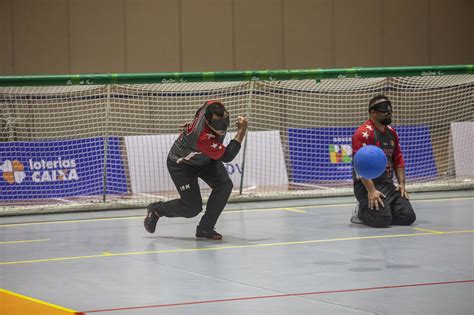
{"points": [[318, 155], [60, 168]]}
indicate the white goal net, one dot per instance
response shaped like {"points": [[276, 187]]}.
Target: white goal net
{"points": [[105, 146]]}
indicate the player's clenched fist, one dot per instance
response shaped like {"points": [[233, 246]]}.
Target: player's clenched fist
{"points": [[241, 123]]}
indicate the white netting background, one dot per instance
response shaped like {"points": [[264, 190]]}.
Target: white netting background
{"points": [[297, 145]]}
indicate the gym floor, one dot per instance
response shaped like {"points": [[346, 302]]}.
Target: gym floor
{"points": [[281, 257]]}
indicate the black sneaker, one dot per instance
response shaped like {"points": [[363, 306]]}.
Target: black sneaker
{"points": [[152, 216], [209, 234]]}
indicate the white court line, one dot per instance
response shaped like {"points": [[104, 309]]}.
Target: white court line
{"points": [[249, 188], [310, 185], [63, 200], [152, 196]]}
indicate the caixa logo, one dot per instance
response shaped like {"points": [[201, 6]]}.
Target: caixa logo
{"points": [[53, 170], [13, 171]]}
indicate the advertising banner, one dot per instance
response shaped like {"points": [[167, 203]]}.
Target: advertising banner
{"points": [[60, 168], [325, 154], [264, 164], [463, 135]]}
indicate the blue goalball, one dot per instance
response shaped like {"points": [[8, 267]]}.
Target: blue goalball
{"points": [[370, 162]]}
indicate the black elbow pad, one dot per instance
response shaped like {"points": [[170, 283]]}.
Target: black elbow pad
{"points": [[231, 151]]}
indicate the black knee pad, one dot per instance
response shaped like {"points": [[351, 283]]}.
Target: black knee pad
{"points": [[224, 188], [380, 222], [227, 186], [408, 218], [192, 212]]}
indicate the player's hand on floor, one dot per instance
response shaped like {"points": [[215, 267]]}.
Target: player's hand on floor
{"points": [[403, 192]]}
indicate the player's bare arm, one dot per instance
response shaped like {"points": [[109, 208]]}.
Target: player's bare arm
{"points": [[400, 173], [242, 125]]}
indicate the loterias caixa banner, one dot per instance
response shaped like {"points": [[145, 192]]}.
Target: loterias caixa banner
{"points": [[60, 168]]}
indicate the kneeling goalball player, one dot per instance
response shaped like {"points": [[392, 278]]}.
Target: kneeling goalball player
{"points": [[380, 203]]}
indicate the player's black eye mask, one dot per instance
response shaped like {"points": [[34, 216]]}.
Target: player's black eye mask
{"points": [[220, 124], [384, 107]]}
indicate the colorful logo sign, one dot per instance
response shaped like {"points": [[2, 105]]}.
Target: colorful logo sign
{"points": [[340, 153], [13, 171]]}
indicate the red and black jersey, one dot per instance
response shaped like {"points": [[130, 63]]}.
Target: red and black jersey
{"points": [[386, 139], [197, 144]]}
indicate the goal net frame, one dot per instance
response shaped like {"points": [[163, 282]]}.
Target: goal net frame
{"points": [[300, 123]]}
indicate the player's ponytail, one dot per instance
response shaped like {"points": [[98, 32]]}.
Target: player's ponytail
{"points": [[214, 107]]}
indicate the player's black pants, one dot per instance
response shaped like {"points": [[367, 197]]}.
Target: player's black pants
{"points": [[185, 178], [396, 210]]}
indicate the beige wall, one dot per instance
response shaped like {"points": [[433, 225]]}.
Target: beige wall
{"points": [[357, 33], [406, 33], [206, 35], [6, 38], [97, 36]]}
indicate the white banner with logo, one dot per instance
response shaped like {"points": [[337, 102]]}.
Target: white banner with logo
{"points": [[264, 162], [462, 135]]}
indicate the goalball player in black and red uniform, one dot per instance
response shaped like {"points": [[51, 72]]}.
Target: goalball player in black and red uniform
{"points": [[199, 153], [380, 203]]}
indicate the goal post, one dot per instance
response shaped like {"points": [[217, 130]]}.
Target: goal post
{"points": [[100, 141]]}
